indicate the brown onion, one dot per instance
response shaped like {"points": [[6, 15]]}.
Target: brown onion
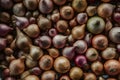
{"points": [[78, 32], [46, 62], [4, 17], [67, 12], [32, 77], [79, 5], [61, 64], [6, 4], [55, 17], [91, 10], [109, 53], [53, 52], [32, 30], [17, 66], [105, 10], [6, 72], [73, 23], [100, 42], [46, 6], [19, 9], [48, 75], [112, 67], [35, 52], [64, 77], [62, 26], [114, 34], [97, 67], [90, 76], [44, 23], [92, 54], [30, 4], [76, 73], [106, 0]]}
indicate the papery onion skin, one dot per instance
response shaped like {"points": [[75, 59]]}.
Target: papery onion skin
{"points": [[32, 77]]}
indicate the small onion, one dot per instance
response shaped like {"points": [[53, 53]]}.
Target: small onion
{"points": [[59, 2], [76, 73], [106, 0], [116, 17], [67, 12], [88, 38], [9, 78], [52, 32], [91, 10], [46, 62], [6, 4], [109, 53], [35, 71], [61, 64], [90, 76], [32, 77], [100, 42], [81, 46], [53, 52], [6, 72], [73, 23], [4, 17], [48, 75], [92, 54], [64, 77], [3, 43]]}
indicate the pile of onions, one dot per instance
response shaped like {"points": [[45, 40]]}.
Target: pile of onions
{"points": [[59, 40]]}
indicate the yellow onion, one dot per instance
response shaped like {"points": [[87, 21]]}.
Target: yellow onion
{"points": [[32, 77]]}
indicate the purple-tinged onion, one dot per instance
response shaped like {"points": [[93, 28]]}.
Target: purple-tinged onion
{"points": [[4, 17], [81, 46], [6, 4], [81, 61], [59, 41], [9, 78], [59, 2], [46, 6], [35, 71], [4, 29], [3, 43], [116, 17], [118, 47], [20, 22], [69, 52], [52, 32], [88, 38]]}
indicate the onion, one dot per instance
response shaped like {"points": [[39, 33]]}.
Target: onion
{"points": [[105, 10], [30, 4], [52, 32], [91, 10], [67, 12], [48, 75], [118, 47], [6, 4], [53, 52], [106, 0], [9, 38], [88, 38], [109, 53], [6, 72], [31, 77], [114, 34], [59, 2], [17, 66], [32, 30], [3, 43], [8, 51], [69, 52], [81, 61], [64, 77], [4, 29], [81, 46], [46, 62], [73, 23], [22, 41], [62, 26], [79, 5], [44, 42], [20, 22], [35, 71], [116, 17], [55, 17], [4, 17], [59, 41], [9, 78], [100, 42], [95, 25], [90, 76], [19, 9], [43, 22], [76, 73], [82, 18], [111, 79], [97, 67], [35, 52], [61, 64], [92, 54], [112, 67], [78, 32], [46, 6]]}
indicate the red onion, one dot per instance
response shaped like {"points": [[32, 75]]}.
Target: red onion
{"points": [[69, 52], [46, 6], [52, 32], [36, 71], [6, 72], [82, 18], [4, 29], [88, 38], [116, 17], [3, 43], [59, 2], [20, 22], [81, 46], [59, 41], [44, 42], [32, 20], [81, 61]]}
